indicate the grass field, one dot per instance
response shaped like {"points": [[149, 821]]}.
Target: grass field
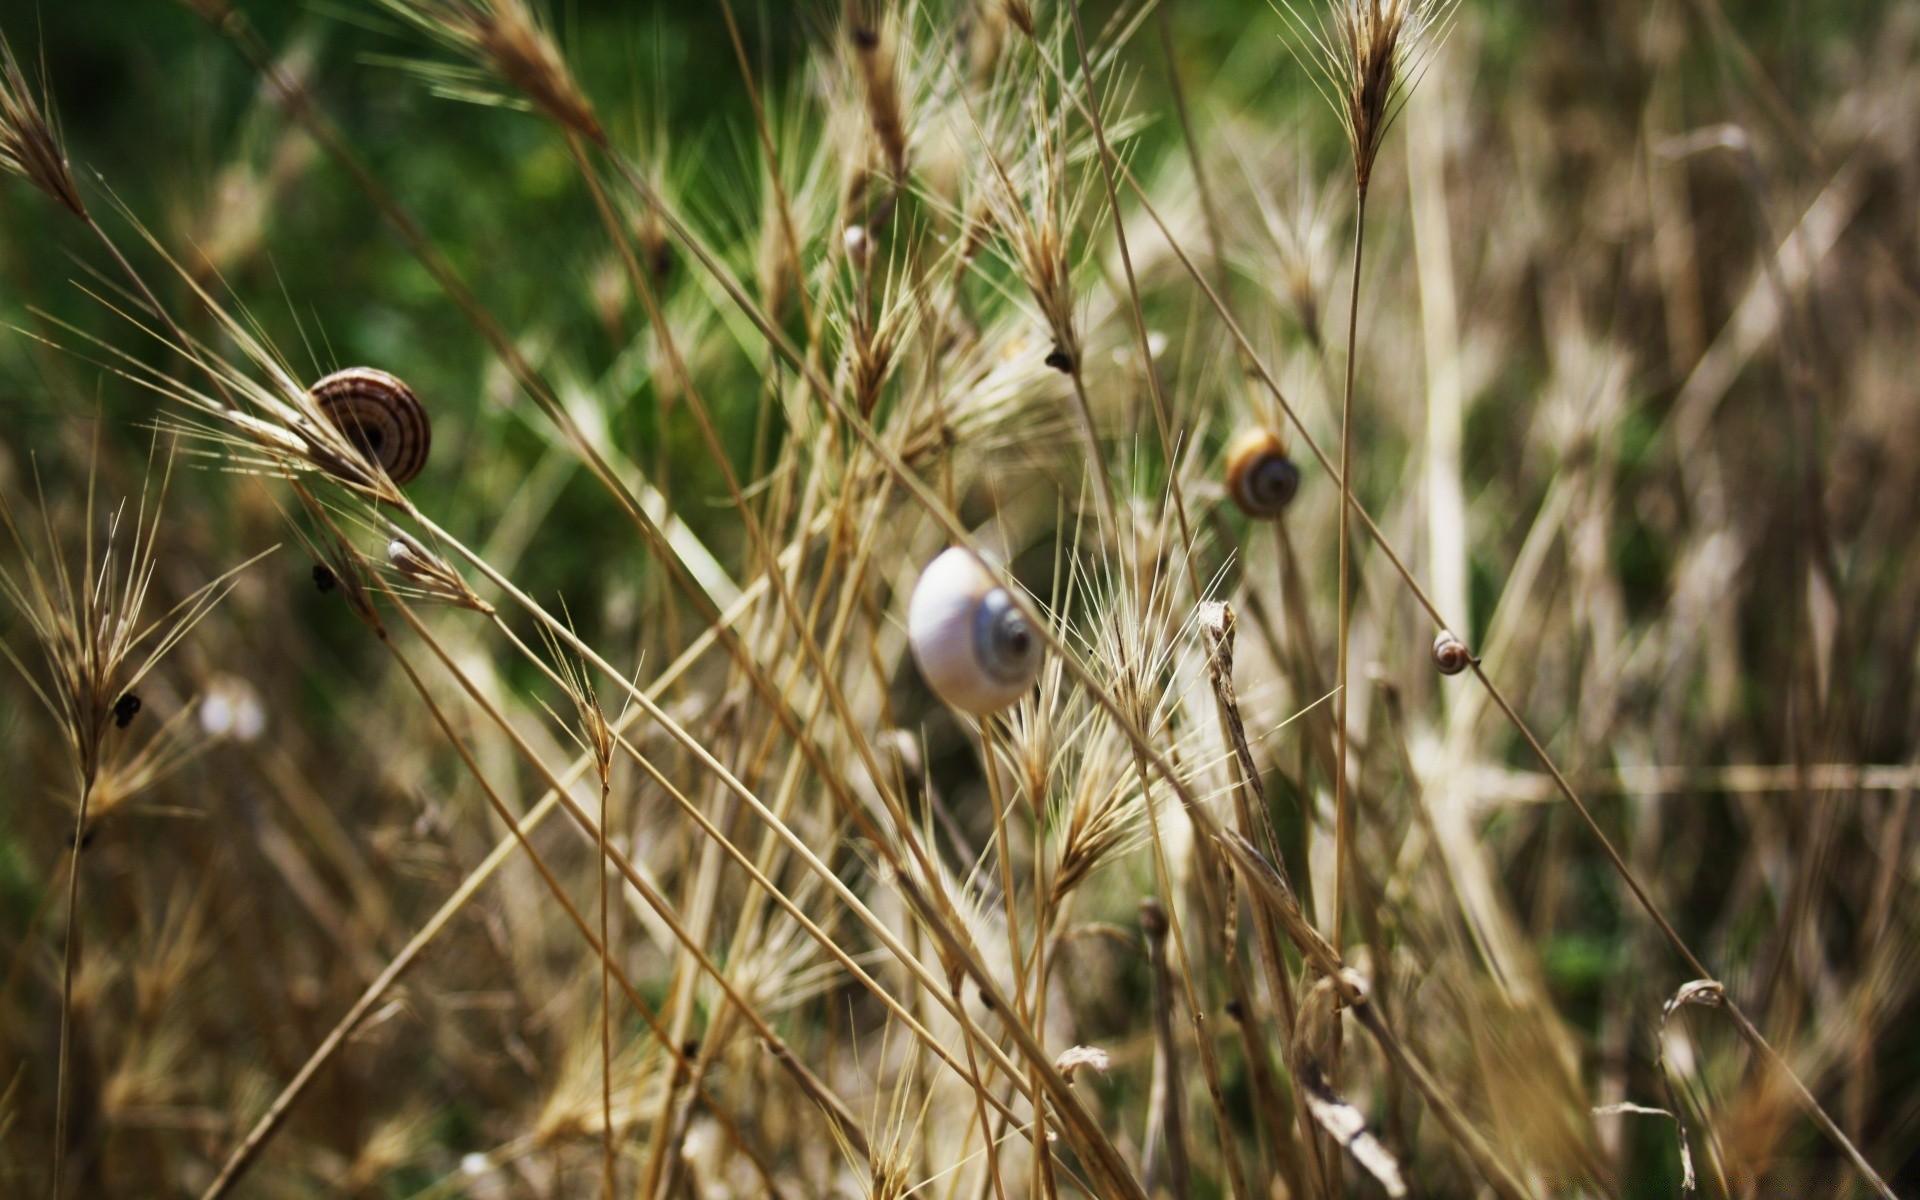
{"points": [[962, 598]]}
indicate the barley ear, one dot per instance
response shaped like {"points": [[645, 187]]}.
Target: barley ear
{"points": [[30, 144]]}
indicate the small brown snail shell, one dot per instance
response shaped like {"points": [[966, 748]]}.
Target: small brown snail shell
{"points": [[1261, 479], [379, 414], [1450, 654]]}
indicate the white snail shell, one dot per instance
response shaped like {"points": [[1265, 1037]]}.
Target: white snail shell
{"points": [[976, 648], [381, 415], [1261, 479], [1450, 654]]}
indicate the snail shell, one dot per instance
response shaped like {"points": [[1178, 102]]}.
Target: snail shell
{"points": [[1260, 477], [1450, 654], [381, 416], [975, 647]]}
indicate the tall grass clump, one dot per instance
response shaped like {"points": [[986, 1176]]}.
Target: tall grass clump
{"points": [[733, 601]]}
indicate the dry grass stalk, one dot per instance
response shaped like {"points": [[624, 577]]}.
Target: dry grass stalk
{"points": [[30, 144]]}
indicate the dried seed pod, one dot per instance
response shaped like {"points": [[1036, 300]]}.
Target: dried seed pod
{"points": [[1450, 654], [430, 573], [973, 643], [1260, 477], [381, 416]]}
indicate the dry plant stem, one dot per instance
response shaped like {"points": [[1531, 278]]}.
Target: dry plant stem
{"points": [[185, 344], [762, 545], [270, 1122], [66, 991], [1029, 1009], [665, 1152], [1342, 812], [1162, 421], [989, 1142], [1209, 211], [846, 896], [1250, 799], [64, 1057], [1808, 1103], [1097, 1154], [1168, 1080], [1028, 1044], [1269, 889], [1202, 184], [519, 831], [1079, 1121], [1082, 675], [1107, 511], [1203, 1040], [789, 786], [803, 628], [903, 826], [600, 946], [767, 886], [300, 104], [1806, 1099], [1003, 854], [781, 201], [1162, 418], [1342, 817], [811, 1084], [606, 1000], [1043, 1162]]}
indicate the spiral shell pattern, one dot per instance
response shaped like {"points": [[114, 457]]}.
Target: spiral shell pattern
{"points": [[381, 416], [1261, 479], [1450, 654], [974, 645]]}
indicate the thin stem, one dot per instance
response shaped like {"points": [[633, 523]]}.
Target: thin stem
{"points": [[988, 1140], [1162, 417], [606, 1006], [66, 995], [1169, 1134], [1003, 852], [1342, 818], [270, 1122], [276, 1114], [1107, 512]]}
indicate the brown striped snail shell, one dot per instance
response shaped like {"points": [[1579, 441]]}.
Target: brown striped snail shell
{"points": [[381, 416], [1261, 479], [1450, 654]]}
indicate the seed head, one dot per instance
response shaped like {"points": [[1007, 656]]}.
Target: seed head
{"points": [[1021, 14], [86, 607], [504, 39], [30, 141], [874, 55], [1370, 52]]}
